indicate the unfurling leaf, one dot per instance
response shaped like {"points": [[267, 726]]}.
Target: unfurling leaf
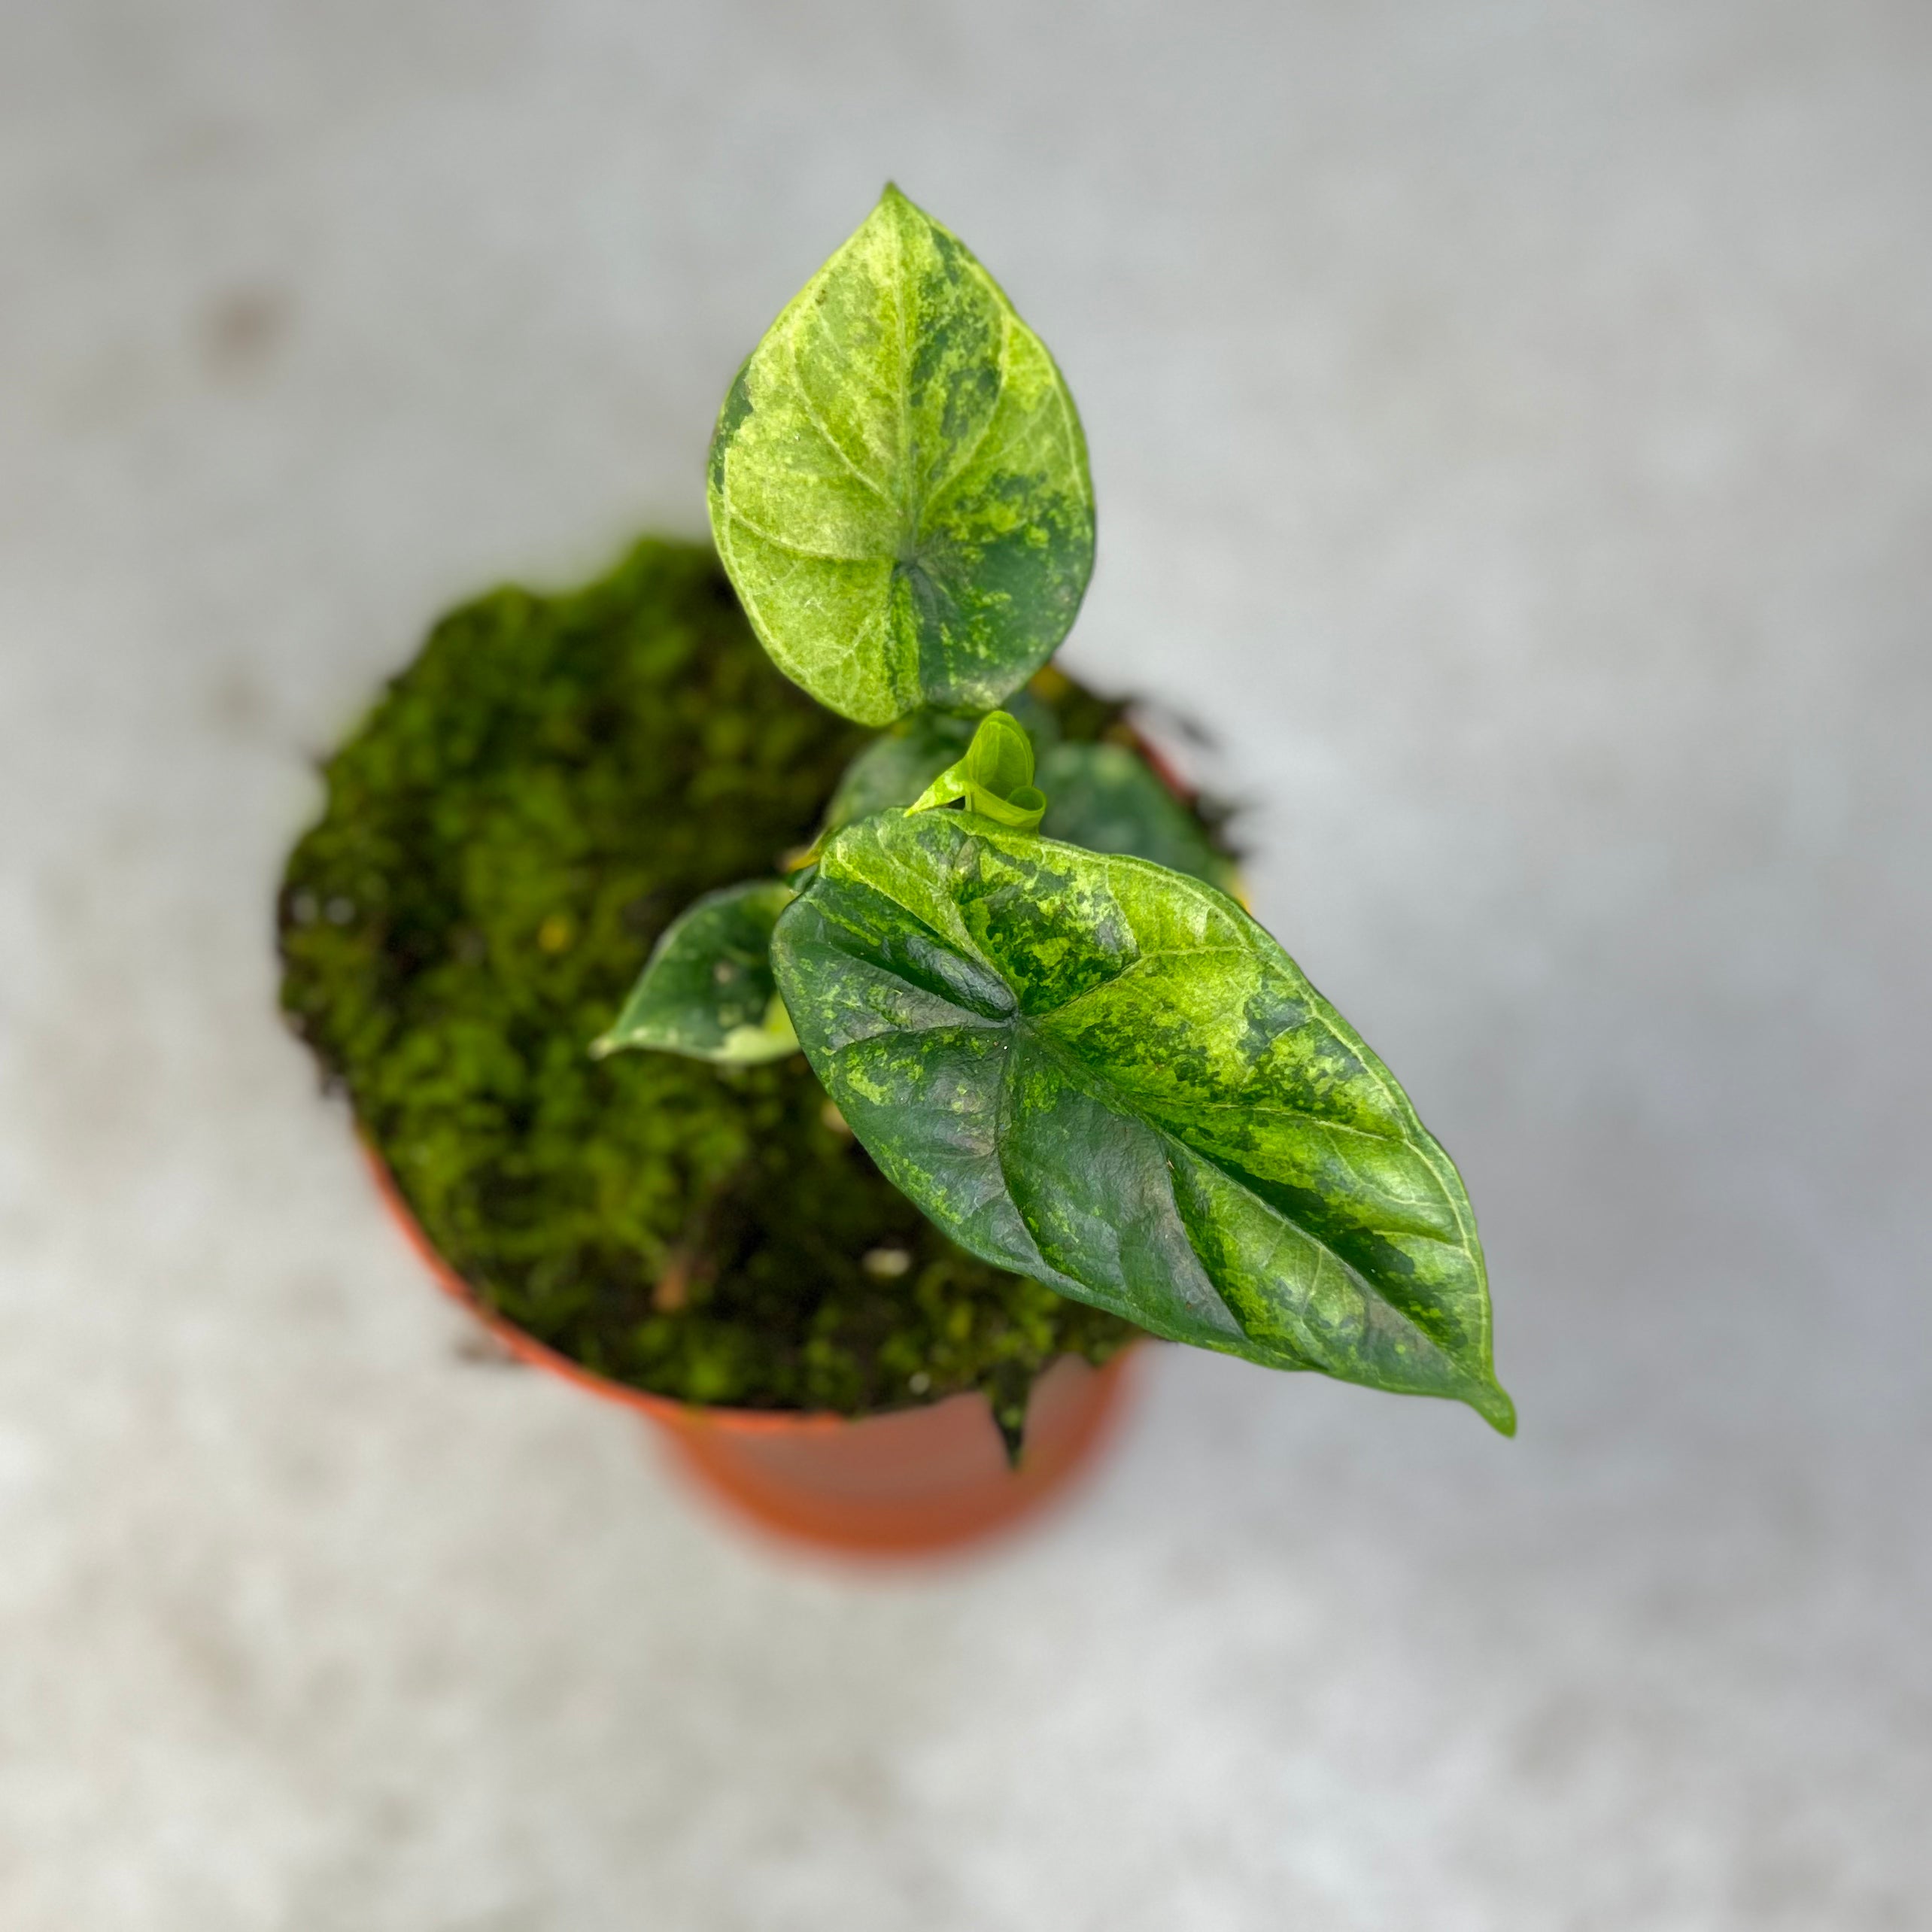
{"points": [[898, 482], [1101, 1074], [706, 990], [1103, 796], [902, 761], [994, 778]]}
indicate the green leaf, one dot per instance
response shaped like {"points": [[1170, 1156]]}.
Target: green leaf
{"points": [[898, 765], [1105, 798], [994, 777], [1098, 1073], [1101, 796], [706, 990], [898, 482]]}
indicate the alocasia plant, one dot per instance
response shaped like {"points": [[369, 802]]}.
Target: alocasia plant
{"points": [[1024, 983]]}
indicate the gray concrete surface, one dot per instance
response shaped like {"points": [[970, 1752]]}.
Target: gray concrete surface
{"points": [[1512, 430]]}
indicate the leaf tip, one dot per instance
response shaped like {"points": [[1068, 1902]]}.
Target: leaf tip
{"points": [[1492, 1404], [896, 206]]}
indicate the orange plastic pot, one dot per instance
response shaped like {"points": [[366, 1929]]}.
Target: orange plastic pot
{"points": [[909, 1483]]}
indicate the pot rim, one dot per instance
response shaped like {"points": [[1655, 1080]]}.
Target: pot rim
{"points": [[667, 1410]]}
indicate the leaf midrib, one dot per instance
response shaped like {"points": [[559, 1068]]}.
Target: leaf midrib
{"points": [[1020, 1018], [1467, 1358], [914, 503], [1421, 1142]]}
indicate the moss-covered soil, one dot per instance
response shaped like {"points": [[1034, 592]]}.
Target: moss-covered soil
{"points": [[530, 803]]}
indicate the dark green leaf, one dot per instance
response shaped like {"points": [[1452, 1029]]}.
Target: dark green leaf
{"points": [[1097, 1072], [898, 765], [706, 990], [898, 482], [1105, 798]]}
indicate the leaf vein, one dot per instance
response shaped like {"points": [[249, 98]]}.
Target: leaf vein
{"points": [[831, 441]]}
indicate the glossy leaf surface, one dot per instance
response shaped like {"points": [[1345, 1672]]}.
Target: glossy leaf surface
{"points": [[707, 990], [898, 481], [1097, 1072]]}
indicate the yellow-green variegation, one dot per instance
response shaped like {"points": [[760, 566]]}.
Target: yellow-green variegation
{"points": [[1105, 1075], [898, 481]]}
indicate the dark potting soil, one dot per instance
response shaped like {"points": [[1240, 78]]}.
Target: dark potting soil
{"points": [[528, 806]]}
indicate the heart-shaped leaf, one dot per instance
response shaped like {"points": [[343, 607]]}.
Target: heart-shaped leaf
{"points": [[898, 481], [706, 990], [1099, 1072]]}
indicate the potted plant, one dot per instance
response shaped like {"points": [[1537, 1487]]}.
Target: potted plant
{"points": [[951, 1067]]}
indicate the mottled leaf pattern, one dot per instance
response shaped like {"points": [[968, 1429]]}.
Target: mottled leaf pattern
{"points": [[1099, 1072], [706, 990], [898, 481]]}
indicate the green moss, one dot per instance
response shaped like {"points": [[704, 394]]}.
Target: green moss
{"points": [[532, 801]]}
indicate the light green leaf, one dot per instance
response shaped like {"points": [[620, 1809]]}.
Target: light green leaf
{"points": [[994, 777], [898, 482], [902, 761], [706, 990], [1098, 1073], [1105, 798]]}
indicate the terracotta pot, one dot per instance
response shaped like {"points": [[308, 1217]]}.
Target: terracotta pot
{"points": [[909, 1483]]}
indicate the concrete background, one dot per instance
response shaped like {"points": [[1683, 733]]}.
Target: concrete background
{"points": [[1514, 438]]}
